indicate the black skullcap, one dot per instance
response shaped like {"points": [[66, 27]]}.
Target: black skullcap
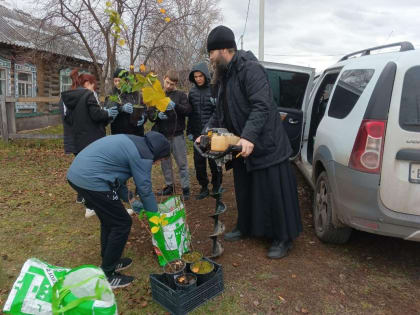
{"points": [[221, 37]]}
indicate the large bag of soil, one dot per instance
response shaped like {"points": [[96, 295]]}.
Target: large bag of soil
{"points": [[171, 237], [45, 289]]}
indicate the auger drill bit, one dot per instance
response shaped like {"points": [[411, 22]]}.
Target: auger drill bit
{"points": [[219, 227]]}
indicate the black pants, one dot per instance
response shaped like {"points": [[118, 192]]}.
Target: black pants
{"points": [[200, 164], [115, 224]]}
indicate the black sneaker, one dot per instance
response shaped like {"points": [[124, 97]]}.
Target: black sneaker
{"points": [[123, 263], [217, 190], [204, 192], [118, 280], [233, 236], [186, 193], [80, 199], [168, 190]]}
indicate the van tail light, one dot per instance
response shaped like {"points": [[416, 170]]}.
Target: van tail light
{"points": [[368, 147]]}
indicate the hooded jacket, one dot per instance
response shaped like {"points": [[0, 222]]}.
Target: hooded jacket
{"points": [[124, 122], [253, 113], [86, 118], [175, 124], [112, 160], [68, 136], [200, 99]]}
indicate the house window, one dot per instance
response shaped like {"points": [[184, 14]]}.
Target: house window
{"points": [[3, 85], [65, 80], [25, 86]]}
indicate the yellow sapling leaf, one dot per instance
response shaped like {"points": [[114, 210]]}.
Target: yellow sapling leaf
{"points": [[154, 220], [155, 229]]}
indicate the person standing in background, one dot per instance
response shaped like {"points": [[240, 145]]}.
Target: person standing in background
{"points": [[171, 124], [127, 121], [84, 120], [203, 105]]}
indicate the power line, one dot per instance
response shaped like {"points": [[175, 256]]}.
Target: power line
{"points": [[246, 21]]}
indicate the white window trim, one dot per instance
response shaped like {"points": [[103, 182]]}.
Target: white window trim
{"points": [[6, 65], [27, 68]]}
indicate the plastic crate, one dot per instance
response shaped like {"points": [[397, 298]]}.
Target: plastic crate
{"points": [[181, 302]]}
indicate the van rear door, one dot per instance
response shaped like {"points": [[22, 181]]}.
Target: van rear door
{"points": [[400, 172], [291, 86]]}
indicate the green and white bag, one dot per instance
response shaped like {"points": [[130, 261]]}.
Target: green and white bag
{"points": [[45, 289], [172, 239]]}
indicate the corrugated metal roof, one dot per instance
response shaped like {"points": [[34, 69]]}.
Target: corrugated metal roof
{"points": [[21, 29]]}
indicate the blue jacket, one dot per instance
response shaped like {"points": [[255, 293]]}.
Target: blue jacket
{"points": [[110, 161]]}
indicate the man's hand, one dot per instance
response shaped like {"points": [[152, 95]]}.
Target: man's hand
{"points": [[247, 147], [198, 140]]}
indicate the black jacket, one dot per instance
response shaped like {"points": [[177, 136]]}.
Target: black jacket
{"points": [[253, 112], [200, 99], [86, 118], [68, 137], [175, 124], [124, 122]]}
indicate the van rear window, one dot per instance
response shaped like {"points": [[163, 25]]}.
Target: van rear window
{"points": [[410, 101], [350, 86], [288, 87]]}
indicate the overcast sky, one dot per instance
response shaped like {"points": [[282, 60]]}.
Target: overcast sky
{"points": [[317, 33]]}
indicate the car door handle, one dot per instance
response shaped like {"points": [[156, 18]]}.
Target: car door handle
{"points": [[293, 121]]}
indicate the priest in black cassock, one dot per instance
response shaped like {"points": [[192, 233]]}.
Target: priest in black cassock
{"points": [[265, 183]]}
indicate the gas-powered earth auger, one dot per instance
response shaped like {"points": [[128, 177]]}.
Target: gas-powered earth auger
{"points": [[219, 145]]}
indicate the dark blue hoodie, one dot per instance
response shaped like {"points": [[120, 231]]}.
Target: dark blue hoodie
{"points": [[114, 159]]}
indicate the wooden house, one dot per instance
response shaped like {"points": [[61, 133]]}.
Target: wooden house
{"points": [[36, 59]]}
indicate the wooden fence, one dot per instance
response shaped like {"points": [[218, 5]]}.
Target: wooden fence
{"points": [[8, 119]]}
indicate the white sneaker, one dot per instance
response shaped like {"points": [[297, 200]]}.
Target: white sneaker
{"points": [[89, 213], [130, 211]]}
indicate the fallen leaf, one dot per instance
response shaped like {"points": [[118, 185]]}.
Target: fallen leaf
{"points": [[144, 304], [304, 311], [235, 264], [294, 276], [282, 300], [256, 303]]}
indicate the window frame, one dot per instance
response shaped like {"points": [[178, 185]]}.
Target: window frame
{"points": [[349, 88]]}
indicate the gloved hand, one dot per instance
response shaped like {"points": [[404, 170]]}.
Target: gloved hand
{"points": [[171, 105], [137, 206], [140, 122], [162, 116], [128, 108], [112, 112], [190, 137], [213, 101]]}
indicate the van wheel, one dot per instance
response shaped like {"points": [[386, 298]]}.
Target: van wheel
{"points": [[322, 214]]}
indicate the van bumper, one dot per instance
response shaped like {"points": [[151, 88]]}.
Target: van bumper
{"points": [[358, 204]]}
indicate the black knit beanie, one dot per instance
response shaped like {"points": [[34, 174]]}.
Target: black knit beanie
{"points": [[220, 37], [117, 73]]}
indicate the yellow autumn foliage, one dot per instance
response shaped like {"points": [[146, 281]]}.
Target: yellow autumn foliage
{"points": [[155, 96]]}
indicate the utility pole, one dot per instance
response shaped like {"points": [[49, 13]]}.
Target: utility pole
{"points": [[261, 32]]}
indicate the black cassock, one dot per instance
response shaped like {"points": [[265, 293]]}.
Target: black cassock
{"points": [[267, 201]]}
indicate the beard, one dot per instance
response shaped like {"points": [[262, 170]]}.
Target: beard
{"points": [[220, 66]]}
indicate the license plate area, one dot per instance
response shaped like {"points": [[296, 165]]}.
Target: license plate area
{"points": [[414, 173]]}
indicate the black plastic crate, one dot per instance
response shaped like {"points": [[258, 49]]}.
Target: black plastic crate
{"points": [[181, 302]]}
